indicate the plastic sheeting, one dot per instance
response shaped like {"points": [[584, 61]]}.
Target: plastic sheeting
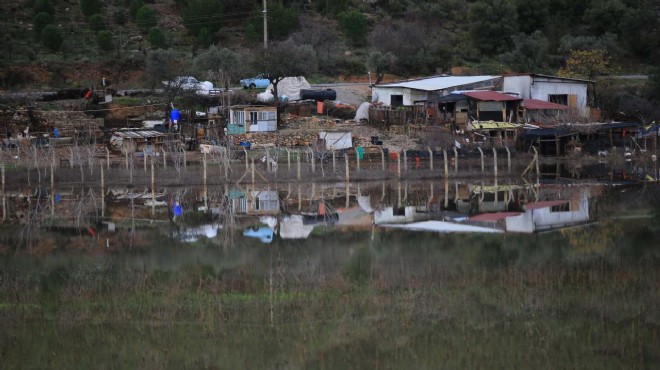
{"points": [[290, 87], [362, 112]]}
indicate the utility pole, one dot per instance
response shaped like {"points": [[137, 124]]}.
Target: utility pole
{"points": [[265, 11]]}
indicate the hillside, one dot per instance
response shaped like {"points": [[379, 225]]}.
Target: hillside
{"points": [[70, 43]]}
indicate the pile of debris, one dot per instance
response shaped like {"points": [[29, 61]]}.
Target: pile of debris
{"points": [[278, 139]]}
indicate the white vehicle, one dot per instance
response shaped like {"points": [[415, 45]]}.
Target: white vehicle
{"points": [[189, 83]]}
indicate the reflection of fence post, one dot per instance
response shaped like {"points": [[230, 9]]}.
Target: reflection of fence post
{"points": [[398, 164], [455, 160], [288, 159], [4, 193], [107, 157], [334, 162], [536, 159], [405, 160], [311, 154], [481, 152], [431, 158], [252, 171], [495, 161], [247, 164], [52, 186], [206, 186], [153, 185], [382, 159], [357, 158], [444, 155], [102, 193], [298, 164], [164, 159], [508, 159]]}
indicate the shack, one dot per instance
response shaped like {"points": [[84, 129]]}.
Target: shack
{"points": [[130, 141], [251, 119], [560, 90], [336, 140]]}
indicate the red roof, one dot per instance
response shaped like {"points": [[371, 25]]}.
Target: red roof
{"points": [[545, 204], [535, 104], [490, 96], [489, 217]]}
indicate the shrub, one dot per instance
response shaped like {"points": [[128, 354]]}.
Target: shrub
{"points": [[52, 38], [204, 38], [354, 26], [136, 5], [40, 21], [90, 7], [146, 18], [104, 40], [96, 22], [44, 6], [157, 38]]}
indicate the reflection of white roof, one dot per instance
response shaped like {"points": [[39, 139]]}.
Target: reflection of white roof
{"points": [[292, 227], [438, 82], [443, 227]]}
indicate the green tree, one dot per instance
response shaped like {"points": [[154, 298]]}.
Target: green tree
{"points": [[146, 18], [135, 7], [157, 38], [638, 33], [529, 54], [96, 22], [44, 6], [220, 65], [331, 8], [52, 38], [104, 40], [355, 27], [281, 23], [491, 24], [40, 21], [532, 17], [379, 63], [209, 14], [90, 7], [204, 38], [604, 16]]}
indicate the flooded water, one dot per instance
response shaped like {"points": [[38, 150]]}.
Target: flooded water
{"points": [[552, 271]]}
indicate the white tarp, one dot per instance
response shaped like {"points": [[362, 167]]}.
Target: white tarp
{"points": [[292, 227], [290, 87], [362, 112], [337, 140]]}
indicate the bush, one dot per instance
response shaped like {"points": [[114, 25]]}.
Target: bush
{"points": [[90, 7], [44, 6], [157, 38], [104, 40], [355, 27], [146, 18], [52, 38], [40, 21], [204, 38], [96, 23], [136, 5]]}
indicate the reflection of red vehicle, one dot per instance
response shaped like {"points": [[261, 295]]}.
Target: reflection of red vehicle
{"points": [[89, 94]]}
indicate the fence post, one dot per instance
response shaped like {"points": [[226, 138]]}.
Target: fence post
{"points": [[431, 157], [444, 154], [247, 164], [288, 159], [348, 175], [455, 160], [495, 161], [164, 159], [398, 164], [357, 158], [481, 152], [405, 159], [311, 154], [298, 163], [102, 193], [4, 193], [153, 185], [508, 158], [144, 153], [206, 186], [334, 162], [382, 158], [107, 157]]}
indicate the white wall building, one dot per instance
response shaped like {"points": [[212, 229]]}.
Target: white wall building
{"points": [[550, 215], [410, 91], [567, 91]]}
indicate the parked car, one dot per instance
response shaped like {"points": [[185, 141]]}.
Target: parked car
{"points": [[189, 83], [263, 233], [259, 82]]}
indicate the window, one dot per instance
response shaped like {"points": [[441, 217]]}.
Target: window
{"points": [[396, 100], [558, 99], [266, 116], [560, 208], [253, 117]]}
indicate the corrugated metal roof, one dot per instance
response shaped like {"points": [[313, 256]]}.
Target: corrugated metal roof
{"points": [[438, 82], [533, 75], [490, 96], [535, 104]]}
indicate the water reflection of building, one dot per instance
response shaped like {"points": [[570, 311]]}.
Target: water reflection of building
{"points": [[255, 202]]}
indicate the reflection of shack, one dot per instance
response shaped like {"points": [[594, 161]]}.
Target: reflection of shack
{"points": [[250, 119], [255, 202], [336, 140], [130, 141], [389, 215], [551, 214], [550, 141], [488, 198]]}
